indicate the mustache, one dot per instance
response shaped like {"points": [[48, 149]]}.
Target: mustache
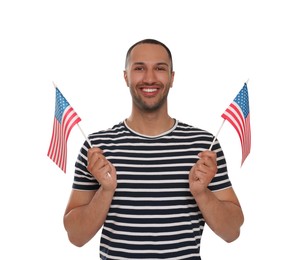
{"points": [[153, 84]]}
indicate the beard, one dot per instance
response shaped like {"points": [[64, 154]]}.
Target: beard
{"points": [[149, 106]]}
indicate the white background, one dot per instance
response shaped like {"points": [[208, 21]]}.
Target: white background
{"points": [[81, 46]]}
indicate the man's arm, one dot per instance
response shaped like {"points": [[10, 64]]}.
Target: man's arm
{"points": [[86, 211], [221, 210], [222, 213], [85, 214]]}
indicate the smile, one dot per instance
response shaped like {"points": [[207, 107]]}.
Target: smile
{"points": [[149, 90]]}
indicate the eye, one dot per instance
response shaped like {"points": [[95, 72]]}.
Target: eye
{"points": [[139, 68], [162, 68]]}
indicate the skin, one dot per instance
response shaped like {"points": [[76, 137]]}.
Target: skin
{"points": [[149, 78]]}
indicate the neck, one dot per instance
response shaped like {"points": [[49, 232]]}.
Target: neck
{"points": [[150, 124]]}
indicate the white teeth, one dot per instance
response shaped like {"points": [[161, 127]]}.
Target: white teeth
{"points": [[149, 89]]}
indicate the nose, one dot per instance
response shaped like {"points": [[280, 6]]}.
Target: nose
{"points": [[149, 77]]}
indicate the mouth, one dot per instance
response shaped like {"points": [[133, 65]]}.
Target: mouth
{"points": [[149, 91]]}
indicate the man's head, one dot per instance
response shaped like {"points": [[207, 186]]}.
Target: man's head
{"points": [[149, 75], [149, 41]]}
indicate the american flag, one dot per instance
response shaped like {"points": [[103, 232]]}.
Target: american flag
{"points": [[238, 115], [64, 120]]}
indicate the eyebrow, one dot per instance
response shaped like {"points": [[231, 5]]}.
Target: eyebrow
{"points": [[158, 63]]}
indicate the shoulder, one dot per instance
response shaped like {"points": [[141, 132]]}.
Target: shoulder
{"points": [[116, 130], [188, 129]]}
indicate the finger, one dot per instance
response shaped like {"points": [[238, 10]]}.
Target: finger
{"points": [[208, 158], [99, 162], [202, 165], [93, 151], [197, 170], [106, 171], [90, 155], [200, 177], [111, 170], [93, 155], [209, 154], [92, 159], [206, 161]]}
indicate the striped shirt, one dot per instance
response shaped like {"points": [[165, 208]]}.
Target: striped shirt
{"points": [[153, 214]]}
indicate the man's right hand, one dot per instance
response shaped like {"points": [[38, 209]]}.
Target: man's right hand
{"points": [[102, 170]]}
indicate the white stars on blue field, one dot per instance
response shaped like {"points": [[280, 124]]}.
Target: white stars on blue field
{"points": [[61, 105], [242, 100]]}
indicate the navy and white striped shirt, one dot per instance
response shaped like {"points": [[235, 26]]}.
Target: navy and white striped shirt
{"points": [[153, 214]]}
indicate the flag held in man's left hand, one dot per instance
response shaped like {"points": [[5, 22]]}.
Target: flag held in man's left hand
{"points": [[239, 116], [64, 120]]}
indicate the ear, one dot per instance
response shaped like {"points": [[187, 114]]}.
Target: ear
{"points": [[173, 76], [125, 77]]}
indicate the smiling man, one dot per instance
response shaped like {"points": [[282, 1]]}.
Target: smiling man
{"points": [[149, 76], [150, 182]]}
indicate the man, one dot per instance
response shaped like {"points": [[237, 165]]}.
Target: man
{"points": [[150, 182]]}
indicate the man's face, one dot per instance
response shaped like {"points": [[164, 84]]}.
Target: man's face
{"points": [[149, 77]]}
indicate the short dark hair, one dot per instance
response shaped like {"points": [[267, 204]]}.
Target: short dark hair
{"points": [[149, 41]]}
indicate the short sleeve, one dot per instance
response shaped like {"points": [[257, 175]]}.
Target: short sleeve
{"points": [[83, 179], [221, 179]]}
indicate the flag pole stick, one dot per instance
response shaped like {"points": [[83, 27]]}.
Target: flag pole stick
{"points": [[215, 137], [87, 139]]}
